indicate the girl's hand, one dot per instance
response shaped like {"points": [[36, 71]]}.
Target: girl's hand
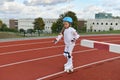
{"points": [[55, 41], [74, 40]]}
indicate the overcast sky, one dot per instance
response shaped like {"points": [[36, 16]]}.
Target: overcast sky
{"points": [[84, 9]]}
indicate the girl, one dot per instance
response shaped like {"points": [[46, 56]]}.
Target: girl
{"points": [[70, 37]]}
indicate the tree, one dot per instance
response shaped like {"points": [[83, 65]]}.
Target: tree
{"points": [[22, 31], [30, 31], [111, 29], [39, 25], [54, 28], [58, 26], [4, 27], [1, 23]]}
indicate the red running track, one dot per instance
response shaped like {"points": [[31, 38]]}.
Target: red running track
{"points": [[109, 39], [39, 58]]}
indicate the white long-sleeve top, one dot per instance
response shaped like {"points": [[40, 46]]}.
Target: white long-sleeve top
{"points": [[69, 34]]}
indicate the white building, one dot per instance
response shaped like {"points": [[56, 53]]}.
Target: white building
{"points": [[25, 24], [48, 24], [28, 24], [95, 25]]}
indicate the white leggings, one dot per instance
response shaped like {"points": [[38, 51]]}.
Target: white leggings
{"points": [[68, 50]]}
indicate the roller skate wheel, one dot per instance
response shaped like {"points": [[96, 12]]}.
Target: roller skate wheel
{"points": [[68, 71], [71, 70]]}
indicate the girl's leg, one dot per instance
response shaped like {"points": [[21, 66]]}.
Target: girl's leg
{"points": [[68, 54], [70, 49]]}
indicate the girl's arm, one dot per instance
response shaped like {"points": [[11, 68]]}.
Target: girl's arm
{"points": [[58, 38], [76, 36]]}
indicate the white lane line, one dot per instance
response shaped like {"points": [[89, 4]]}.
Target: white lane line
{"points": [[25, 44], [25, 61], [79, 67], [13, 52], [5, 53], [26, 39], [112, 41], [103, 38], [39, 43]]}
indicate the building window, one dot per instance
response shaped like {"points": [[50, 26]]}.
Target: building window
{"points": [[93, 23], [106, 23], [111, 24], [116, 23], [101, 23], [94, 30], [97, 23]]}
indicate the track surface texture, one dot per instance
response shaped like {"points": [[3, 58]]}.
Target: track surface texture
{"points": [[41, 59]]}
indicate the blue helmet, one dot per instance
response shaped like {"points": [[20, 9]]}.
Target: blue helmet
{"points": [[67, 19]]}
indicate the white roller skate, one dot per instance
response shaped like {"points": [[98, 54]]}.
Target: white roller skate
{"points": [[65, 64], [68, 68]]}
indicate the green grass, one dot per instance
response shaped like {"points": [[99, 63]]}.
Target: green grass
{"points": [[4, 35], [87, 33]]}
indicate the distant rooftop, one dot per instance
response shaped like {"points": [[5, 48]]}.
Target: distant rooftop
{"points": [[103, 15]]}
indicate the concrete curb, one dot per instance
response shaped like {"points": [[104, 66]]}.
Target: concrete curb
{"points": [[101, 45]]}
